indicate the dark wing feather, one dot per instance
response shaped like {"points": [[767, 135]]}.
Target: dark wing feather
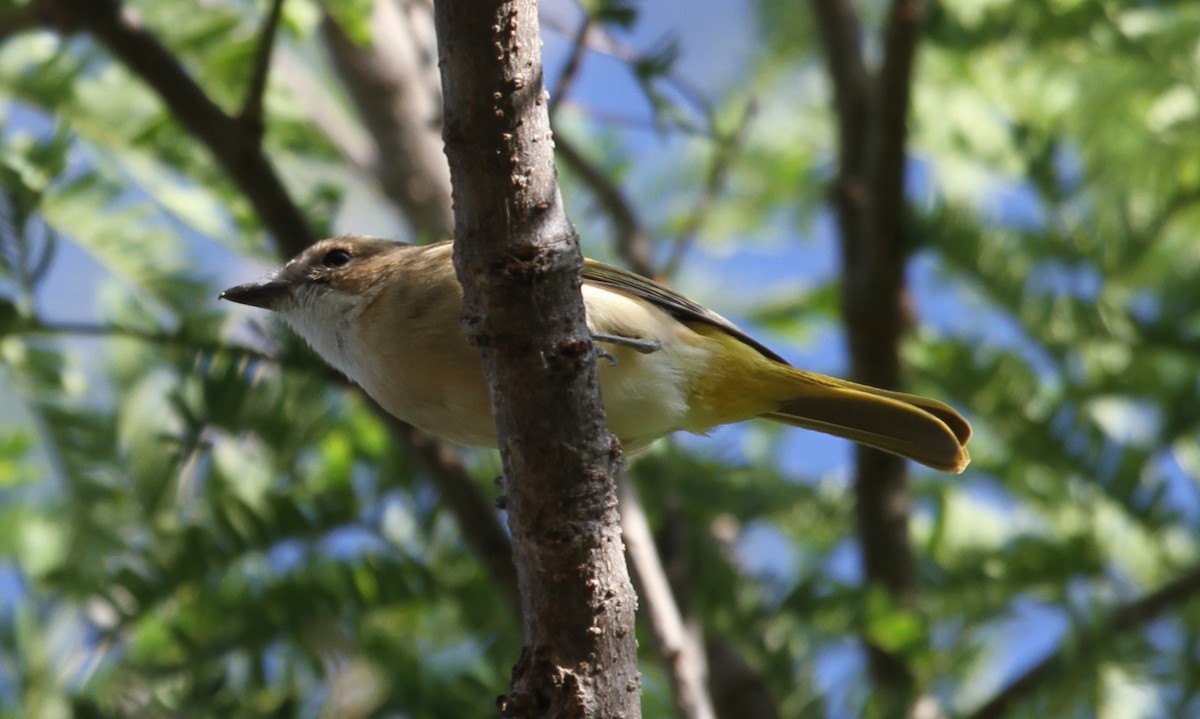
{"points": [[673, 303]]}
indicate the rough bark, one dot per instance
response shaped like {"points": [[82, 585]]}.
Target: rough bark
{"points": [[719, 678], [518, 259], [869, 198]]}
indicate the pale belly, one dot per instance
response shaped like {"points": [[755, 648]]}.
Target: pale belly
{"points": [[646, 396]]}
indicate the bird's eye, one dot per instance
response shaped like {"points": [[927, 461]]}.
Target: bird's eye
{"points": [[336, 258]]}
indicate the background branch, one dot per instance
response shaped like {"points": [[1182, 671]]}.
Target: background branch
{"points": [[841, 35], [245, 164], [725, 153], [631, 240], [599, 41], [677, 642], [356, 147], [574, 62], [393, 84], [461, 495], [869, 197], [1125, 618], [251, 116]]}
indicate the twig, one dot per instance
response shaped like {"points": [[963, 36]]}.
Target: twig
{"points": [[570, 71], [714, 185], [603, 43], [679, 645], [250, 118], [1124, 618], [632, 242]]}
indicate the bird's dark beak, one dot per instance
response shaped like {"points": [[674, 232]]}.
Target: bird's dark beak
{"points": [[267, 293]]}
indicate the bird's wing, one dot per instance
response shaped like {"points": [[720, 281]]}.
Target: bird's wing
{"points": [[673, 303]]}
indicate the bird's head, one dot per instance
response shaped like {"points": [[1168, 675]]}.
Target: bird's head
{"points": [[324, 291]]}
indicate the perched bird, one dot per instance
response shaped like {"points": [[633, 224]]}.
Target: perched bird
{"points": [[386, 314]]}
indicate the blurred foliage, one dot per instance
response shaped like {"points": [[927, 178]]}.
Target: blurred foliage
{"points": [[197, 519]]}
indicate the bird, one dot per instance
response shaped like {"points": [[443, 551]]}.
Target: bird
{"points": [[386, 315]]}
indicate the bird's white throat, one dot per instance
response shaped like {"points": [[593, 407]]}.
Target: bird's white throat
{"points": [[326, 322]]}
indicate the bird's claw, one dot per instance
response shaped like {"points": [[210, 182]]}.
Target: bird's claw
{"points": [[605, 354]]}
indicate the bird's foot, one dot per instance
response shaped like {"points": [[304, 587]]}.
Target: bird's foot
{"points": [[637, 344]]}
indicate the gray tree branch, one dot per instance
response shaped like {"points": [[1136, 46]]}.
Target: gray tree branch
{"points": [[519, 262], [725, 152]]}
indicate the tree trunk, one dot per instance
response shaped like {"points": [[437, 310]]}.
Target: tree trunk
{"points": [[518, 259], [869, 198]]}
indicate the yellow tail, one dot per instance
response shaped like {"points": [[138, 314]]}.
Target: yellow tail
{"points": [[747, 383], [921, 429]]}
